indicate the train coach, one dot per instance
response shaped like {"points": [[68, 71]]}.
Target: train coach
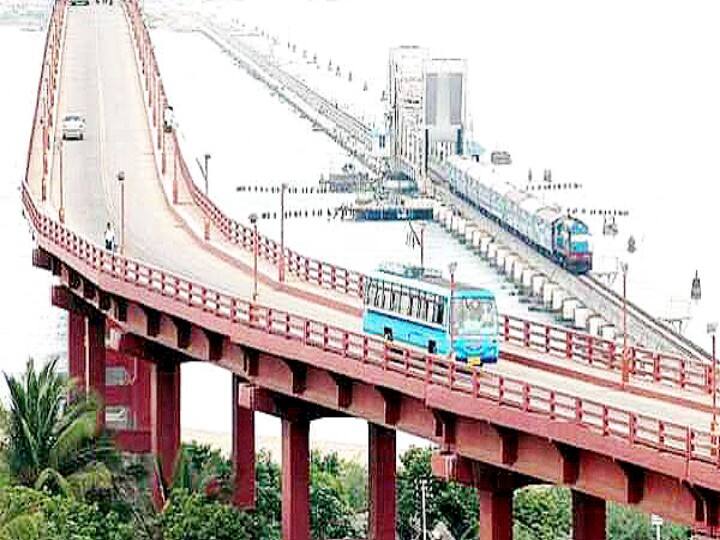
{"points": [[560, 237]]}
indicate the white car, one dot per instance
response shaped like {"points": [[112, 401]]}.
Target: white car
{"points": [[73, 127]]}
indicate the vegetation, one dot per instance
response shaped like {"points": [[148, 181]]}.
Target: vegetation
{"points": [[61, 478]]}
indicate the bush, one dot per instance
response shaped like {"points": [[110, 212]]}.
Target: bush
{"points": [[192, 516]]}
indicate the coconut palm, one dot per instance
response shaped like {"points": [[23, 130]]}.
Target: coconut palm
{"points": [[52, 441]]}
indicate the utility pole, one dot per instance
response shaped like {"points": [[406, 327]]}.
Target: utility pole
{"points": [[625, 353], [253, 221], [121, 180], [204, 171], [281, 265]]}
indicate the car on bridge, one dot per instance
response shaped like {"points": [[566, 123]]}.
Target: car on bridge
{"points": [[73, 127], [79, 2]]}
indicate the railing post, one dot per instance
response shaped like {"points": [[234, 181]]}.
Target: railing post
{"points": [[506, 328], [656, 367], [590, 349], [552, 404], [547, 339], [526, 397], [578, 410], [569, 345], [526, 334]]}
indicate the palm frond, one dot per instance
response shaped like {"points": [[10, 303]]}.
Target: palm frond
{"points": [[52, 481], [93, 477]]}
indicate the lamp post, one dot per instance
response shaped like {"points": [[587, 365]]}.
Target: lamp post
{"points": [[61, 211], [423, 503], [712, 329], [204, 171], [281, 263], [452, 267], [121, 180], [253, 221], [625, 371]]}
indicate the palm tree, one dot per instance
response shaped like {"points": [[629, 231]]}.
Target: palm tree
{"points": [[53, 442]]}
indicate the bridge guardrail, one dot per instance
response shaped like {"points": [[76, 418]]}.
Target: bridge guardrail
{"points": [[603, 419], [579, 347]]}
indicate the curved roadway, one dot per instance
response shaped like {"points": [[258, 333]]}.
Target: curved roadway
{"points": [[99, 80]]}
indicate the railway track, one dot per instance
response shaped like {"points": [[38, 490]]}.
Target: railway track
{"points": [[642, 327]]}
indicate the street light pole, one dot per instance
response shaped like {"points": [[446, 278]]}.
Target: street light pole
{"points": [[712, 329], [625, 373], [204, 171], [452, 267], [281, 265], [121, 180], [423, 498], [61, 211], [253, 221]]}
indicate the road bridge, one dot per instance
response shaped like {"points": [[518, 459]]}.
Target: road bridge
{"points": [[553, 410]]}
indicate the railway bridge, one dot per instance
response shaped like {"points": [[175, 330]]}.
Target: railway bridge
{"points": [[561, 407]]}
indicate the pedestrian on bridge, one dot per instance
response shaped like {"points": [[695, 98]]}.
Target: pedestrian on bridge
{"points": [[110, 237]]}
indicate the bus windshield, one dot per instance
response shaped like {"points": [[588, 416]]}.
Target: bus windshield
{"points": [[474, 316]]}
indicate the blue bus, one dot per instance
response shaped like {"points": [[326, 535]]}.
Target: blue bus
{"points": [[410, 305]]}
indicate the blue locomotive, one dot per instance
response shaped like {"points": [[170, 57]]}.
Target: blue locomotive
{"points": [[560, 237]]}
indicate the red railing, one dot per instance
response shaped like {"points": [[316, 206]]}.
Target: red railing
{"points": [[650, 366], [603, 419], [637, 429]]}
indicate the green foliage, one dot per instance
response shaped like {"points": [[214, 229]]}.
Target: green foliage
{"points": [[543, 512], [26, 514], [625, 523], [451, 503], [330, 510], [193, 516], [51, 442]]}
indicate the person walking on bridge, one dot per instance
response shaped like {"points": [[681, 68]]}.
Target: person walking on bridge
{"points": [[110, 237]]}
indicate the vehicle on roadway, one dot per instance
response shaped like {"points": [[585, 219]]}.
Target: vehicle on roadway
{"points": [[79, 2], [73, 127], [417, 306], [558, 236]]}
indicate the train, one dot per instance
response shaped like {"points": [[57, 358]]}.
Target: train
{"points": [[560, 237]]}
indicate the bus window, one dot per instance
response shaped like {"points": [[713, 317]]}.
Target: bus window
{"points": [[380, 295], [440, 310], [405, 301]]}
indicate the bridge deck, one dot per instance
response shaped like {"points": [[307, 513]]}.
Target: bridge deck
{"points": [[99, 80]]}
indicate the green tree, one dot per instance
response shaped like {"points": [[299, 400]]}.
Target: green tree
{"points": [[330, 510], [543, 512], [451, 503], [193, 516], [52, 442]]}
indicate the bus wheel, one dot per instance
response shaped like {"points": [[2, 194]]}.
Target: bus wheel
{"points": [[432, 347], [388, 334]]}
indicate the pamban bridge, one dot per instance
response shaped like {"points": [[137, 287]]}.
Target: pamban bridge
{"points": [[561, 407]]}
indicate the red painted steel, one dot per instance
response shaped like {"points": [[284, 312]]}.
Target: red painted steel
{"points": [[96, 361], [588, 517], [295, 479], [243, 451], [496, 516], [381, 483], [648, 365], [165, 416], [76, 348], [644, 430]]}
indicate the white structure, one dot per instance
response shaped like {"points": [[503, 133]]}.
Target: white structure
{"points": [[426, 109], [445, 86]]}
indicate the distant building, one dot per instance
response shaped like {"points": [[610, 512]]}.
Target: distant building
{"points": [[426, 114]]}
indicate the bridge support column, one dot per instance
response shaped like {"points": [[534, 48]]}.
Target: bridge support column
{"points": [[295, 479], [588, 517], [165, 415], [381, 483], [76, 349], [96, 361], [496, 515], [243, 451]]}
